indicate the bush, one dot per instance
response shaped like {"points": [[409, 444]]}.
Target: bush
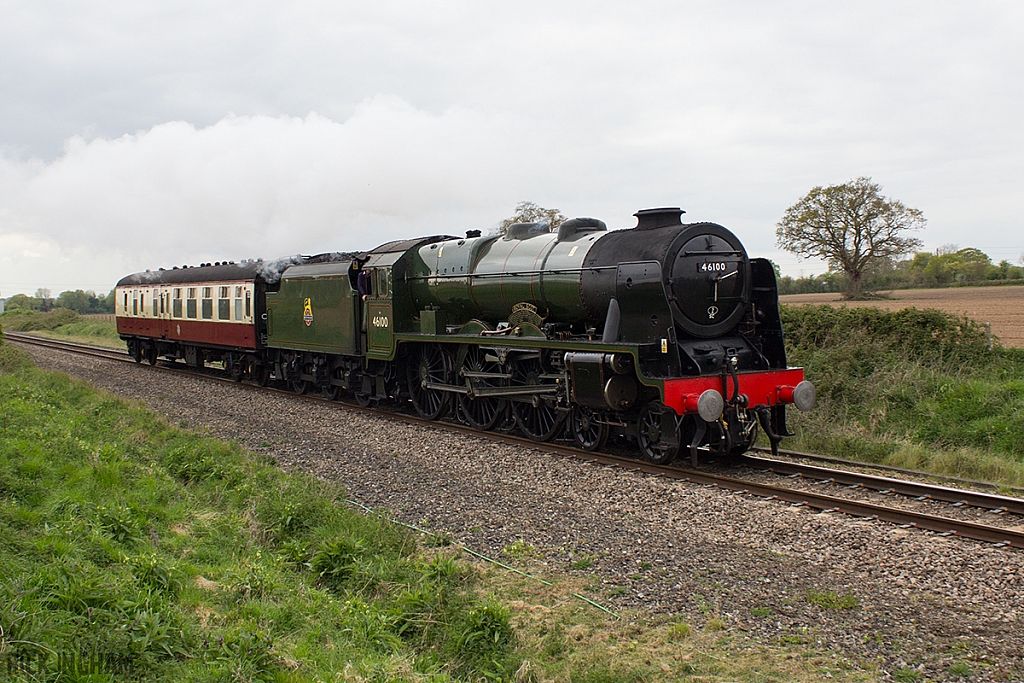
{"points": [[928, 335], [906, 387], [31, 321]]}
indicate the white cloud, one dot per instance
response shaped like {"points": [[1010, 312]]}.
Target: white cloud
{"points": [[436, 117], [257, 186]]}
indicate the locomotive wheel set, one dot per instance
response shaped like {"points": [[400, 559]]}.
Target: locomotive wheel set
{"points": [[666, 333]]}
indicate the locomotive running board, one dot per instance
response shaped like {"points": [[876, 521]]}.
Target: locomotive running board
{"points": [[492, 392]]}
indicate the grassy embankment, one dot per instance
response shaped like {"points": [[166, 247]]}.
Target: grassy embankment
{"points": [[63, 323], [911, 388], [164, 555]]}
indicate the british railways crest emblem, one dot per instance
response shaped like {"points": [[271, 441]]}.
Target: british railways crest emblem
{"points": [[307, 313]]}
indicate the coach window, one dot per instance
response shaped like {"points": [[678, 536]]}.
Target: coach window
{"points": [[248, 304], [135, 303], [223, 304], [176, 303], [190, 304], [157, 305], [207, 303], [238, 303]]}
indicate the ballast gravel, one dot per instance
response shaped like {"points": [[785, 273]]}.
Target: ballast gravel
{"points": [[923, 601]]}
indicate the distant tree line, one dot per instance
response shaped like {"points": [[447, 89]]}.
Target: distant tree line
{"points": [[83, 302], [944, 267], [863, 235]]}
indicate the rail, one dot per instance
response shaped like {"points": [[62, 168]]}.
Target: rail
{"points": [[1000, 536]]}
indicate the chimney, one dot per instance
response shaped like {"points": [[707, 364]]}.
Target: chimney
{"points": [[649, 219]]}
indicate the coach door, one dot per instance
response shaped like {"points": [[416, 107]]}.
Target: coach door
{"points": [[379, 314]]}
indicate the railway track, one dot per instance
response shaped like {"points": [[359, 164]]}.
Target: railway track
{"points": [[914, 489], [799, 456], [62, 345], [986, 500]]}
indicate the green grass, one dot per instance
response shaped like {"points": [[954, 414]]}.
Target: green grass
{"points": [[562, 642], [715, 624], [169, 556], [519, 550], [61, 322], [581, 563], [12, 359], [918, 389], [677, 632], [161, 555], [961, 670], [906, 675], [830, 599], [91, 329], [32, 321]]}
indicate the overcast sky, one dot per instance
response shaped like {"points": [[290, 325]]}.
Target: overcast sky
{"points": [[140, 135]]}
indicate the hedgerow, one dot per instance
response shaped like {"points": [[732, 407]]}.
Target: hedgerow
{"points": [[928, 335], [913, 387]]}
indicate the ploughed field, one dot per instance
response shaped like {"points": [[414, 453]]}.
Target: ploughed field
{"points": [[1002, 307]]}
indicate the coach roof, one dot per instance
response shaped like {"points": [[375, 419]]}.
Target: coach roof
{"points": [[233, 272]]}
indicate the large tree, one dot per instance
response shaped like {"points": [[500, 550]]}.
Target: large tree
{"points": [[528, 212], [851, 226], [82, 302]]}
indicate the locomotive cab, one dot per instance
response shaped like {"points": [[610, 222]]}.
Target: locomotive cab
{"points": [[377, 305]]}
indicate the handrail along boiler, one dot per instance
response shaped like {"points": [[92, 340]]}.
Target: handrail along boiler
{"points": [[666, 333]]}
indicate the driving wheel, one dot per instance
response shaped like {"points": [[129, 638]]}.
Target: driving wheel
{"points": [[430, 365], [481, 412], [536, 417]]}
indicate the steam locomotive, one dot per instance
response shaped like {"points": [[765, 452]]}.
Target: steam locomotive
{"points": [[666, 334]]}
